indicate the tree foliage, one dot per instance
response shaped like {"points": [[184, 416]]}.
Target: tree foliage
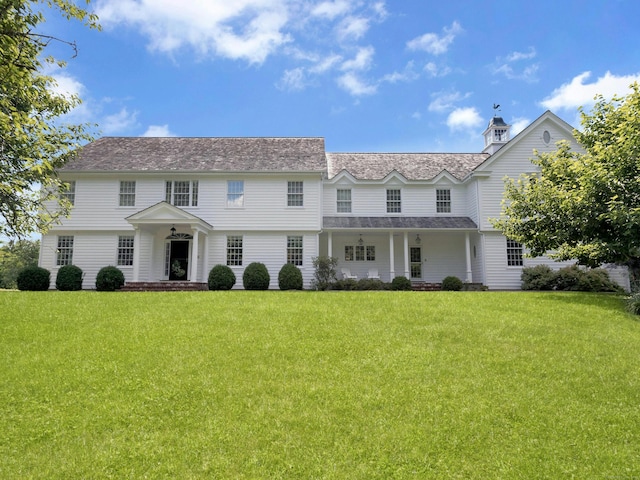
{"points": [[14, 257], [34, 142], [584, 205]]}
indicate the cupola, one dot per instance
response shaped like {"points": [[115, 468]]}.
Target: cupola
{"points": [[496, 135]]}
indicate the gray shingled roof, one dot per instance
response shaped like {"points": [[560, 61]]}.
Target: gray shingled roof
{"points": [[398, 222], [413, 166], [201, 154]]}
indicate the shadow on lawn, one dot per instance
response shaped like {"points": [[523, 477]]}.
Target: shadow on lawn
{"points": [[608, 301]]}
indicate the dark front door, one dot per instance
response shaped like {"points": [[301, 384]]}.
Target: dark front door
{"points": [[179, 260]]}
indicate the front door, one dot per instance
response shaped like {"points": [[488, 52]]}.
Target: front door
{"points": [[178, 259], [415, 257]]}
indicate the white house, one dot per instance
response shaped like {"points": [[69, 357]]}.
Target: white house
{"points": [[165, 209]]}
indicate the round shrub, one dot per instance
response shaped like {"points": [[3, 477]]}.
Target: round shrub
{"points": [[633, 303], [400, 283], [256, 277], [452, 284], [69, 278], [371, 284], [290, 277], [540, 277], [221, 277], [109, 279], [35, 279]]}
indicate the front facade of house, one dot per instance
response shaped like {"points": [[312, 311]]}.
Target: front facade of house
{"points": [[165, 209]]}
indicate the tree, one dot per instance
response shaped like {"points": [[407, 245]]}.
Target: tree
{"points": [[14, 257], [584, 205], [34, 142]]}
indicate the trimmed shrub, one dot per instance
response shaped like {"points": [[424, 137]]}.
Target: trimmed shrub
{"points": [[109, 279], [256, 277], [597, 280], [344, 284], [290, 277], [371, 284], [540, 277], [221, 277], [35, 279], [325, 274], [452, 284], [568, 278], [400, 283], [633, 303], [69, 278]]}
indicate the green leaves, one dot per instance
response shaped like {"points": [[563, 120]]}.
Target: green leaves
{"points": [[584, 206], [34, 144]]}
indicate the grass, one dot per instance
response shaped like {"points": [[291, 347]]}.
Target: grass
{"points": [[357, 385]]}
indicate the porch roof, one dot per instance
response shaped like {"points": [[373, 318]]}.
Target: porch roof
{"points": [[411, 223]]}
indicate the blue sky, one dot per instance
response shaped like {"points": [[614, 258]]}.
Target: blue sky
{"points": [[378, 75]]}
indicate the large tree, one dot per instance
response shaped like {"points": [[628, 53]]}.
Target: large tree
{"points": [[34, 140], [584, 205]]}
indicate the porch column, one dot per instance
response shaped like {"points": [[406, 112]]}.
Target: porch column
{"points": [[407, 273], [467, 252], [330, 244], [194, 256], [392, 266], [205, 264], [136, 255]]}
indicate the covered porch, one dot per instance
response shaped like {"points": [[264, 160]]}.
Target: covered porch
{"points": [[422, 249]]}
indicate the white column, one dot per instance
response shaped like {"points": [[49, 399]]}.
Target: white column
{"points": [[136, 255], [330, 244], [205, 263], [468, 256], [407, 272], [194, 256], [392, 266]]}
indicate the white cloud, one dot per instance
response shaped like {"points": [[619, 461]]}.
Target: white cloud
{"points": [[577, 93], [119, 122], [331, 10], [434, 71], [517, 56], [505, 66], [407, 75], [352, 28], [518, 124], [292, 80], [362, 60], [356, 86], [158, 131], [436, 44], [464, 119], [444, 101], [326, 64], [243, 29]]}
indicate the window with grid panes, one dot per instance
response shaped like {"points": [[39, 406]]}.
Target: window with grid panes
{"points": [[295, 194], [294, 249], [394, 200], [182, 193], [127, 193], [125, 250], [443, 200], [64, 252], [70, 192], [343, 200], [234, 250], [235, 193], [514, 253]]}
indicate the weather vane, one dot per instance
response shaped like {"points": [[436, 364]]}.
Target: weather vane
{"points": [[496, 109]]}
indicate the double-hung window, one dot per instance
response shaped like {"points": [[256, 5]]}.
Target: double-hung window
{"points": [[343, 200], [182, 193], [514, 253], [128, 193], [443, 200], [295, 194], [234, 250], [125, 250], [69, 192], [394, 200], [294, 249], [64, 252], [235, 193]]}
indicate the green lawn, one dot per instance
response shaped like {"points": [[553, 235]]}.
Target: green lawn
{"points": [[355, 385]]}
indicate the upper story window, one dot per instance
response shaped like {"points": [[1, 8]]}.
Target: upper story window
{"points": [[64, 252], [234, 250], [514, 253], [235, 193], [343, 200], [125, 250], [182, 193], [295, 194], [394, 200], [127, 193], [294, 249], [69, 192], [443, 200]]}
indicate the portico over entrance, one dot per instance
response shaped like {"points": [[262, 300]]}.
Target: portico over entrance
{"points": [[170, 244]]}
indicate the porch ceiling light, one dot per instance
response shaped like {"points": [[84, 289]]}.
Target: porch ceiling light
{"points": [[173, 230], [418, 239], [360, 242]]}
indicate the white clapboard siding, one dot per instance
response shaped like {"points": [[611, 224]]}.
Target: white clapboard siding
{"points": [[443, 255]]}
